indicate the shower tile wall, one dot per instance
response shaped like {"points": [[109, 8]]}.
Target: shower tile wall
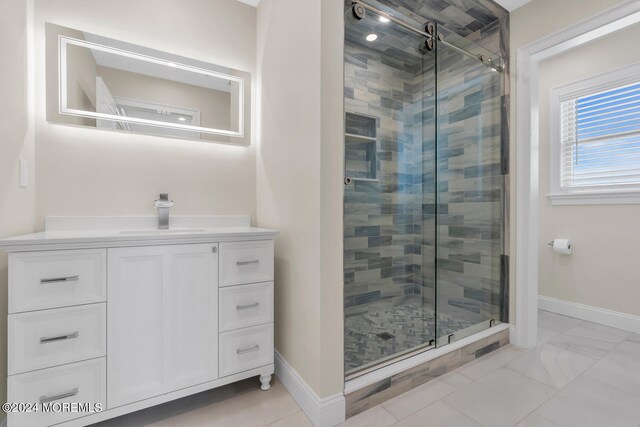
{"points": [[473, 19], [382, 229], [469, 182], [389, 226]]}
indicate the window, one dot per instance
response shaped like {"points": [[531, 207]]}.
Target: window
{"points": [[595, 140]]}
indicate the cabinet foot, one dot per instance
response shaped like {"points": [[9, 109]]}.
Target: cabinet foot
{"points": [[265, 380]]}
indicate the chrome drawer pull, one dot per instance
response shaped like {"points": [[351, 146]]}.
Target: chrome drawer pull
{"points": [[247, 307], [47, 399], [70, 336], [59, 280], [248, 350], [255, 261]]}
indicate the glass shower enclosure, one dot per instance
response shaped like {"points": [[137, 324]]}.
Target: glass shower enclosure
{"points": [[424, 188]]}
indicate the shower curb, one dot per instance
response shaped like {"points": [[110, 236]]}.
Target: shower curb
{"points": [[380, 391]]}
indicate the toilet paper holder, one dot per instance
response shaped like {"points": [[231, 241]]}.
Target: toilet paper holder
{"points": [[551, 243]]}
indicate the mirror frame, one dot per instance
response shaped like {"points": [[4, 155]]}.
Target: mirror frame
{"points": [[239, 137]]}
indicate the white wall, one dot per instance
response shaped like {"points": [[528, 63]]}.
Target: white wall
{"points": [[17, 205], [530, 23], [332, 197], [289, 172], [300, 180], [603, 271], [93, 172]]}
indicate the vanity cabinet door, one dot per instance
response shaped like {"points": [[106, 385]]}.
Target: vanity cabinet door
{"points": [[135, 310], [162, 320], [192, 315]]}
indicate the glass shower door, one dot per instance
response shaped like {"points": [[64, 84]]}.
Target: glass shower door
{"points": [[389, 120], [424, 192], [470, 189]]}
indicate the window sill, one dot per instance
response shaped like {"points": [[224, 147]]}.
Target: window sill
{"points": [[595, 198]]}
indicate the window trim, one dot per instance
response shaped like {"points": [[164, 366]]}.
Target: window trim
{"points": [[620, 77]]}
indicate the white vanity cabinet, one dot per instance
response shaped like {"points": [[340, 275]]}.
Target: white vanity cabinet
{"points": [[131, 323], [162, 328], [56, 331]]}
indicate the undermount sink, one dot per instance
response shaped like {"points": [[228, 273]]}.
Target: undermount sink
{"points": [[169, 231]]}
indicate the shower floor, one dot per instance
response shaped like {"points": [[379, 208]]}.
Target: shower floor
{"points": [[410, 323]]}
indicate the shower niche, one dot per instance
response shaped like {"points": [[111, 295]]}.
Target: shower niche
{"points": [[360, 148]]}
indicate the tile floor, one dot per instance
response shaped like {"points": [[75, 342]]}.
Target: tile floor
{"points": [[581, 374], [409, 319]]}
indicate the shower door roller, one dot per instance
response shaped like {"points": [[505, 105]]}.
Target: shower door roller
{"points": [[430, 28], [428, 45], [358, 12]]}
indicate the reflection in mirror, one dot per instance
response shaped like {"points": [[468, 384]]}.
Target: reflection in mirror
{"points": [[107, 84]]}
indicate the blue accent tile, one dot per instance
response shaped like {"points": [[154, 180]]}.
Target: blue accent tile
{"points": [[366, 298]]}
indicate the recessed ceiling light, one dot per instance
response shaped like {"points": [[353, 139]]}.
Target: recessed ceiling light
{"points": [[182, 119], [372, 37], [384, 19], [172, 64]]}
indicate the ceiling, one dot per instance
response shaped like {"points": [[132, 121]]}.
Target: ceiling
{"points": [[510, 5], [250, 2]]}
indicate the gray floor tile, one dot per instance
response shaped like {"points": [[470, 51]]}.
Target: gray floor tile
{"points": [[593, 348], [536, 420], [426, 394], [556, 322], [620, 368], [598, 332], [439, 414], [591, 403], [551, 365], [634, 338], [374, 417], [580, 374], [490, 362], [298, 419], [545, 335], [501, 398]]}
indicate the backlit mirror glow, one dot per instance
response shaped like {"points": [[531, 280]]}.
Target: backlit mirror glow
{"points": [[112, 85]]}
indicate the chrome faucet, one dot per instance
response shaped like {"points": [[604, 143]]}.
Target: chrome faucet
{"points": [[163, 205]]}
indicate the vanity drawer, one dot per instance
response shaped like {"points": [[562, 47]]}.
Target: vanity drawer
{"points": [[246, 349], [42, 339], [246, 305], [246, 262], [40, 280], [83, 382]]}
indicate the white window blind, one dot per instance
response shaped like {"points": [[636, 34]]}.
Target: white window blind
{"points": [[600, 140]]}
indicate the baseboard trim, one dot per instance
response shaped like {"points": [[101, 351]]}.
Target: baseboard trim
{"points": [[323, 412], [614, 319]]}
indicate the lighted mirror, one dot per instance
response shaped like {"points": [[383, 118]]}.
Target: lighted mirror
{"points": [[107, 84]]}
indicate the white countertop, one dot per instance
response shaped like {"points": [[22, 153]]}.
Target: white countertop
{"points": [[101, 232]]}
